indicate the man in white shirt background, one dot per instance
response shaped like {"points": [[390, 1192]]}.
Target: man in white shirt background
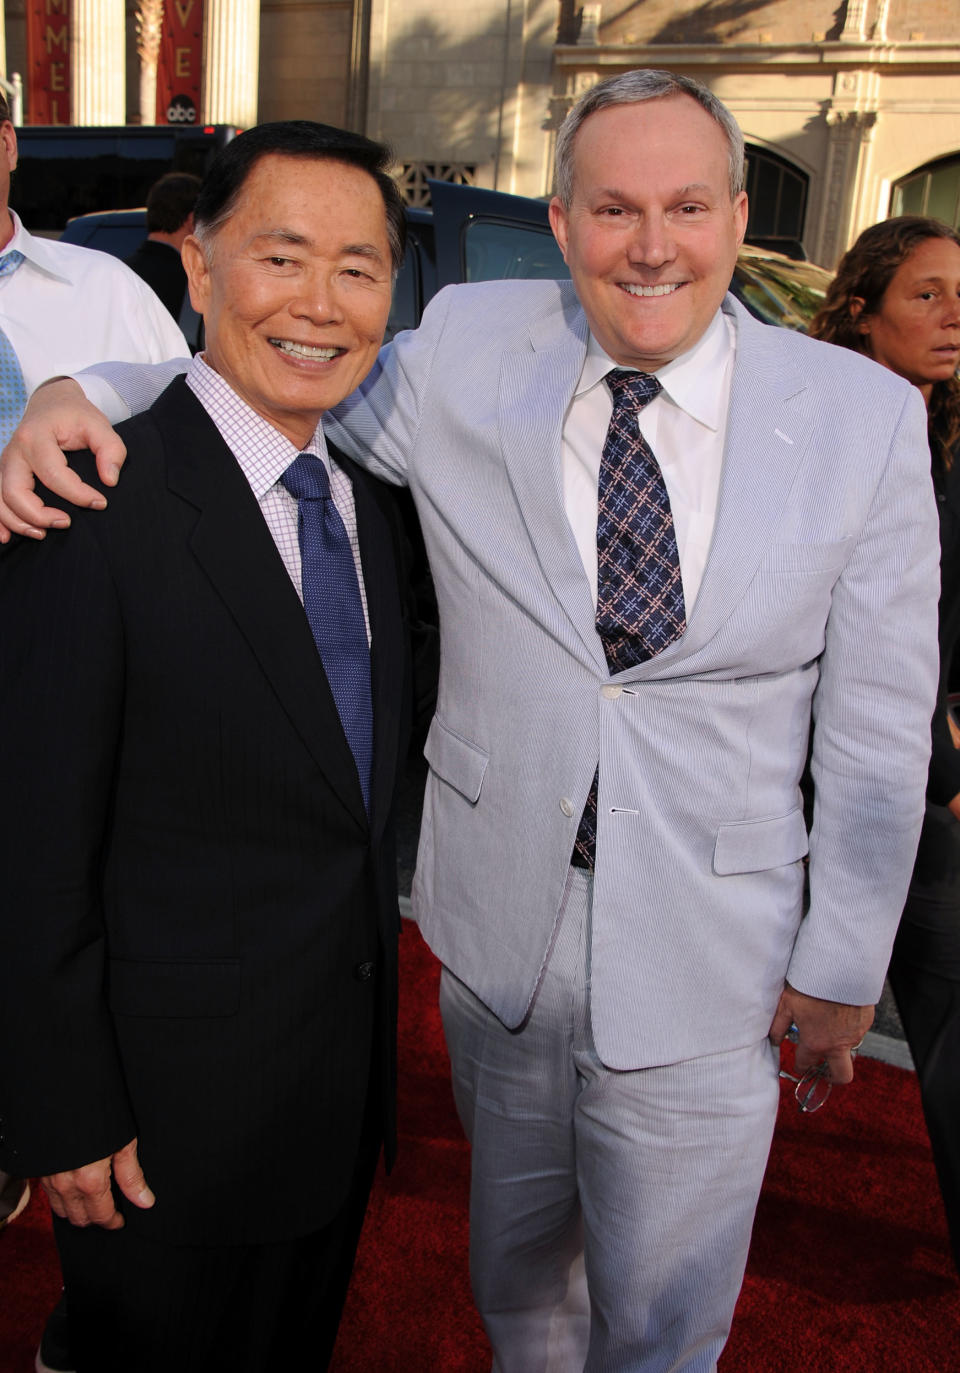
{"points": [[64, 307]]}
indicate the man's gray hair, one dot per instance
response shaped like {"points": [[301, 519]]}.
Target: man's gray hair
{"points": [[631, 88]]}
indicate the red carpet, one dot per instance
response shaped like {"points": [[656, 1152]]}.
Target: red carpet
{"points": [[849, 1270]]}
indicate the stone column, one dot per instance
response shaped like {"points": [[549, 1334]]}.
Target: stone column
{"points": [[97, 62], [850, 132], [149, 34], [231, 62]]}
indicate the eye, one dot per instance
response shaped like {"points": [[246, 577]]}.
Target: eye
{"points": [[280, 261]]}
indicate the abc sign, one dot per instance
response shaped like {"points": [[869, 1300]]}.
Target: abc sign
{"points": [[181, 110]]}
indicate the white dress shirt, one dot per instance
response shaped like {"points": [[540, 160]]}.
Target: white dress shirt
{"points": [[685, 427], [66, 307], [263, 455]]}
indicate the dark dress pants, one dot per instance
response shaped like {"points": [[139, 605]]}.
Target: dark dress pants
{"points": [[925, 977], [137, 1306]]}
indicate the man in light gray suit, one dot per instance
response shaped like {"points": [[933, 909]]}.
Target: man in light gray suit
{"points": [[612, 857]]}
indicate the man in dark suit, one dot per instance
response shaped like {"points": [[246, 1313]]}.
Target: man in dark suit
{"points": [[200, 982]]}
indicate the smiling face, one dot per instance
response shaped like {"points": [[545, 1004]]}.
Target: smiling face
{"points": [[651, 233], [916, 330], [294, 288]]}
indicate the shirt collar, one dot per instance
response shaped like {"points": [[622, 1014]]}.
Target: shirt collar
{"points": [[246, 433], [39, 252], [693, 381]]}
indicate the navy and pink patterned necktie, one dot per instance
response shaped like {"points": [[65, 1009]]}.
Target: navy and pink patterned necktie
{"points": [[640, 609]]}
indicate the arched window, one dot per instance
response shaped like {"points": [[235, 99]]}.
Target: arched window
{"points": [[931, 190], [777, 192]]}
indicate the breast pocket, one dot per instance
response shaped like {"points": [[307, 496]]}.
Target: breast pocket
{"points": [[807, 558]]}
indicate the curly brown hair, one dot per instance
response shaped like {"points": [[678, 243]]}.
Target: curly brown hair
{"points": [[865, 272]]}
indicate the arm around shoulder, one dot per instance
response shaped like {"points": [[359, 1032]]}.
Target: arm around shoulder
{"points": [[378, 424], [67, 413]]}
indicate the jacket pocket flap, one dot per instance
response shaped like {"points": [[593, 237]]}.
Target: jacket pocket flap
{"points": [[456, 760], [154, 988], [755, 845]]}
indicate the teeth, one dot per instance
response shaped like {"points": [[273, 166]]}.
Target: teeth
{"points": [[304, 350], [664, 290]]}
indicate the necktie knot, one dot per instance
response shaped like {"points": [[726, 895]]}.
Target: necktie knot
{"points": [[306, 478], [10, 262], [632, 390]]}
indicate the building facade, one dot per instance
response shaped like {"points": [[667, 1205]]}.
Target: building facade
{"points": [[850, 112]]}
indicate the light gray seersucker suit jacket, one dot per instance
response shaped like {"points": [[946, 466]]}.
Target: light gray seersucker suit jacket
{"points": [[821, 587]]}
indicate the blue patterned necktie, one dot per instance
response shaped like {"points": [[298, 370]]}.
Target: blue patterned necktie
{"points": [[640, 606], [331, 598], [13, 393]]}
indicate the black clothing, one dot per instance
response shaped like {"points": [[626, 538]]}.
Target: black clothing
{"points": [[925, 966], [160, 267]]}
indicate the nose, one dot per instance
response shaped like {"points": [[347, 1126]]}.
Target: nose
{"points": [[317, 299], [951, 314], [652, 243]]}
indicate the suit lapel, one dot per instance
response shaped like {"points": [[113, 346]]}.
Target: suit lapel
{"points": [[768, 430], [536, 385], [233, 545]]}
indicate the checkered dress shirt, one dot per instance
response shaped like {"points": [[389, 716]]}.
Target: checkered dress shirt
{"points": [[264, 454]]}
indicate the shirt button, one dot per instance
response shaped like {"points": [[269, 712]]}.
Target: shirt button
{"points": [[610, 693], [363, 972], [566, 805]]}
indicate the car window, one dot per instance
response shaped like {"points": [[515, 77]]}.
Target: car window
{"points": [[497, 250], [778, 290]]}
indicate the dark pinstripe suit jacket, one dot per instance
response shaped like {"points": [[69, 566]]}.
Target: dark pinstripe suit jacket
{"points": [[199, 935]]}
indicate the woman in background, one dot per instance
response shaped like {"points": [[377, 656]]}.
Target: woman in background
{"points": [[896, 297]]}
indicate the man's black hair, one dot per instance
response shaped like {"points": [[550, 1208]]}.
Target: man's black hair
{"points": [[298, 138], [170, 201]]}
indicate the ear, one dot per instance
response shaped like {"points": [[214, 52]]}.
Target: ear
{"points": [[740, 213], [559, 223], [198, 273], [8, 143], [855, 306]]}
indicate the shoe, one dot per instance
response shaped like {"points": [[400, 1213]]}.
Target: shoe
{"points": [[9, 1197], [53, 1356]]}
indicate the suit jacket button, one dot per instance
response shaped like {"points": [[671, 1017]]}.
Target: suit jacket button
{"points": [[566, 805], [363, 972]]}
